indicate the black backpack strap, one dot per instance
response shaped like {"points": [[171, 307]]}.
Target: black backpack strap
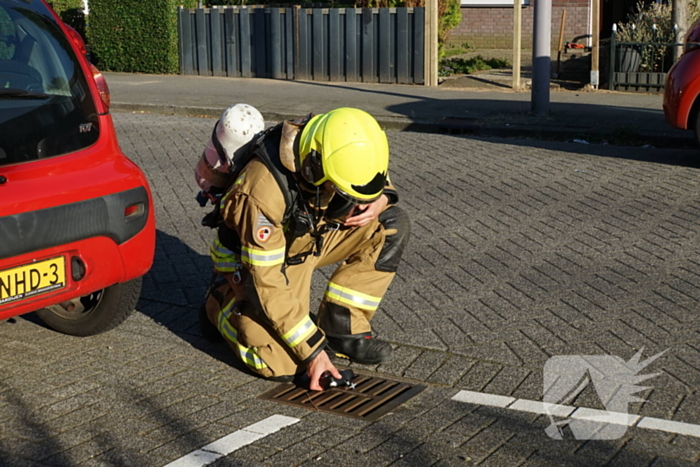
{"points": [[268, 144], [217, 145]]}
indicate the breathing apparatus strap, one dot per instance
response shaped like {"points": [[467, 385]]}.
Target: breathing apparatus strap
{"points": [[217, 145]]}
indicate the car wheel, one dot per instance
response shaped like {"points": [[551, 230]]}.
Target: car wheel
{"points": [[94, 313]]}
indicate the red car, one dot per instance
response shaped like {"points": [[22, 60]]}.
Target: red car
{"points": [[682, 87], [77, 228]]}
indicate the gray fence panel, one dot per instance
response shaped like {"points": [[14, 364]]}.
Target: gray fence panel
{"points": [[258, 43], [367, 31], [402, 46], [216, 42], [244, 24], [418, 44], [319, 45], [185, 42], [304, 68], [371, 45], [289, 43], [351, 45], [231, 46], [276, 42], [385, 44], [334, 37], [202, 42]]}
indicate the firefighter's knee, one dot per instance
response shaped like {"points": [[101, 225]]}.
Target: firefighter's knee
{"points": [[398, 225]]}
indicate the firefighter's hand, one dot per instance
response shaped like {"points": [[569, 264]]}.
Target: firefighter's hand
{"points": [[363, 215], [319, 365]]}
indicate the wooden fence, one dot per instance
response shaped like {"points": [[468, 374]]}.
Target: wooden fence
{"points": [[384, 45]]}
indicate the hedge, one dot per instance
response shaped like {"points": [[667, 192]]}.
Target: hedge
{"points": [[135, 35]]}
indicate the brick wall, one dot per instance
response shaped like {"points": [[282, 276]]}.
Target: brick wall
{"points": [[493, 27]]}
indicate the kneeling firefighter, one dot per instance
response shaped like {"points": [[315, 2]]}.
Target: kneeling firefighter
{"points": [[314, 192]]}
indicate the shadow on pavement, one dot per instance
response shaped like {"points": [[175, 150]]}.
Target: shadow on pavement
{"points": [[173, 291], [681, 157], [523, 437]]}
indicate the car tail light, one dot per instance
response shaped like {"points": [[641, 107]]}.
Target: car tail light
{"points": [[102, 87]]}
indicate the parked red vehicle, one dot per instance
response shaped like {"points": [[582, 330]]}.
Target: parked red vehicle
{"points": [[682, 87], [77, 228]]}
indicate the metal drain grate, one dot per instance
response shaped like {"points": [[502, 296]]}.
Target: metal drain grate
{"points": [[371, 398]]}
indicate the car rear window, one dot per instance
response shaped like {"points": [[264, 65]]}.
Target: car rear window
{"points": [[46, 108]]}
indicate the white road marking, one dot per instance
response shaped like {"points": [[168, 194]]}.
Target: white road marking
{"points": [[581, 413], [493, 400], [670, 426], [236, 440], [604, 416], [544, 408]]}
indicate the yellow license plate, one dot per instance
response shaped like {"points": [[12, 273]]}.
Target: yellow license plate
{"points": [[32, 279]]}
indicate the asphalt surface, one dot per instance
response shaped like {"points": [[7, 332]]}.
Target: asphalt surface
{"points": [[483, 107], [521, 250]]}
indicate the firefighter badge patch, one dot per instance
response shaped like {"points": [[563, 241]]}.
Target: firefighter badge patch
{"points": [[264, 229]]}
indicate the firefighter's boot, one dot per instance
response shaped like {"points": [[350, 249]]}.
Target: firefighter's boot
{"points": [[361, 349]]}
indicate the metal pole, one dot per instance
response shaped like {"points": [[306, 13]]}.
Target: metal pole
{"points": [[517, 27], [679, 17], [541, 60], [611, 66], [595, 52]]}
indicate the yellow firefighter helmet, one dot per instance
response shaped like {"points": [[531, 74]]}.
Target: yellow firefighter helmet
{"points": [[347, 148]]}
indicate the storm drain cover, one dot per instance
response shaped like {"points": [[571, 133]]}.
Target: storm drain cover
{"points": [[371, 398]]}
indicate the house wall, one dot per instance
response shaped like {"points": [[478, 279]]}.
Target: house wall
{"points": [[491, 27]]}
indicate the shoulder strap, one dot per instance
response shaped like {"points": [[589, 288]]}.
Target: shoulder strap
{"points": [[267, 149], [217, 145]]}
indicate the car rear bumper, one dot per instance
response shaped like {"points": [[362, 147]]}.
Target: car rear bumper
{"points": [[91, 264], [59, 225]]}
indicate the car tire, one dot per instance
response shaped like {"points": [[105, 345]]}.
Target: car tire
{"points": [[94, 313]]}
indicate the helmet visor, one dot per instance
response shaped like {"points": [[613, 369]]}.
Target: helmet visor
{"points": [[356, 200]]}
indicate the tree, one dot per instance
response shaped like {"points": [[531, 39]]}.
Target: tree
{"points": [[679, 14]]}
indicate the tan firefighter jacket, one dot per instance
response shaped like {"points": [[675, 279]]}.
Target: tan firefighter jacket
{"points": [[254, 208]]}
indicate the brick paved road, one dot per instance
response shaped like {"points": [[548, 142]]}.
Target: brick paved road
{"points": [[521, 250]]}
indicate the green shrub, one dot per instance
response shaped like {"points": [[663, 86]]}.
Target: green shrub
{"points": [[650, 23], [135, 35], [450, 16], [465, 66]]}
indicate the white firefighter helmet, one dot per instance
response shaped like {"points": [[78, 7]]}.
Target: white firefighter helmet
{"points": [[237, 127]]}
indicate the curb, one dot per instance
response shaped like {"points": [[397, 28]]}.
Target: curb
{"points": [[455, 126]]}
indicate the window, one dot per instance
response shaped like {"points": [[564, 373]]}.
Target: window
{"points": [[46, 108]]}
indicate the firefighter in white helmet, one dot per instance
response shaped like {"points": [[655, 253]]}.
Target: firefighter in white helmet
{"points": [[316, 192]]}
